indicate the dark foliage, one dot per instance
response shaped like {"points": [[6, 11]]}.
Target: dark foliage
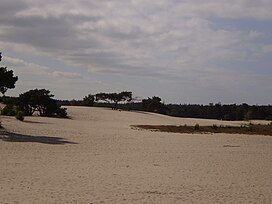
{"points": [[196, 127], [221, 112], [40, 100], [115, 98], [9, 100], [88, 100], [7, 79], [20, 115], [154, 104], [9, 110], [211, 111], [69, 102]]}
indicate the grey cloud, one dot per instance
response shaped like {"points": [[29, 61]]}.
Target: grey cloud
{"points": [[166, 40], [9, 8]]}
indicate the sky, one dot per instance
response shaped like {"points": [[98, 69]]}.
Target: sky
{"points": [[185, 51]]}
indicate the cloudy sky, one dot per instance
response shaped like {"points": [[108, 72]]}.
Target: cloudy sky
{"points": [[186, 51]]}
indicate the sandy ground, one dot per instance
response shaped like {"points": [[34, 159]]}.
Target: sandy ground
{"points": [[96, 157]]}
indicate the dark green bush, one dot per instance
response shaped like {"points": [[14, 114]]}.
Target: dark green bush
{"points": [[62, 112], [20, 116], [196, 127], [41, 101]]}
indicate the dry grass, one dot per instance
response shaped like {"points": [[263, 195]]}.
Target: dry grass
{"points": [[250, 129]]}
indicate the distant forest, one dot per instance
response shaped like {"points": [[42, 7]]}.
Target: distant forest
{"points": [[211, 111], [154, 104]]}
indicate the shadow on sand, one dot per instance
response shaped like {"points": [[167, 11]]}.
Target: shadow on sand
{"points": [[14, 137], [34, 122], [142, 112]]}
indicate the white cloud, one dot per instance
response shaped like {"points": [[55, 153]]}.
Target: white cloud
{"points": [[69, 75], [22, 67]]}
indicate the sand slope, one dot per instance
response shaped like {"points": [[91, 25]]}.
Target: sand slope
{"points": [[96, 157]]}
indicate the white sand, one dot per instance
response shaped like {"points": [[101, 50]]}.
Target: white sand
{"points": [[112, 163]]}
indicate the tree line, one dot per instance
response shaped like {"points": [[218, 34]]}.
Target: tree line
{"points": [[155, 104], [42, 102], [222, 112]]}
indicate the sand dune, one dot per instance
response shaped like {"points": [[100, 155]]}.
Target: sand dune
{"points": [[96, 157]]}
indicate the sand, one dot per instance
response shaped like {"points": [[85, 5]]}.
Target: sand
{"points": [[96, 157]]}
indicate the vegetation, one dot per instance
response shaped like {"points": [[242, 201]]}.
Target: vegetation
{"points": [[154, 104], [88, 100], [41, 101], [250, 129], [9, 100], [7, 79], [124, 96], [222, 112], [211, 111], [196, 127], [111, 100], [9, 110], [20, 116]]}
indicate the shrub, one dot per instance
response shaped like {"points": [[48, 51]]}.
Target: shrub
{"points": [[214, 126], [62, 113], [196, 127], [9, 110], [40, 100], [20, 116]]}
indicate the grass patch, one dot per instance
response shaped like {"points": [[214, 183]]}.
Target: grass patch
{"points": [[250, 129]]}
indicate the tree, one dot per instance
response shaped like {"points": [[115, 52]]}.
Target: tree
{"points": [[102, 97], [124, 96], [154, 104], [40, 100], [7, 79], [88, 100]]}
